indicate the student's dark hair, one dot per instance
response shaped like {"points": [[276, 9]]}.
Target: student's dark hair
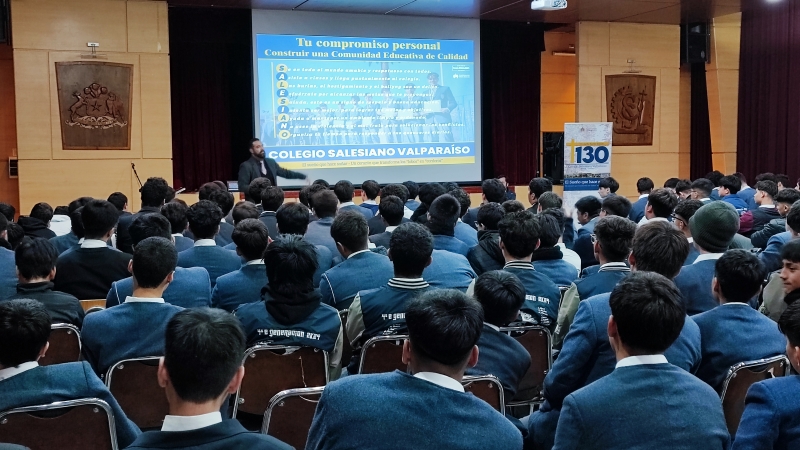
{"points": [[351, 230], [371, 189], [791, 251], [292, 218], [3, 223], [291, 263], [76, 222], [15, 234], [615, 235], [489, 215], [255, 187], [589, 204], [154, 192], [739, 274], [519, 233], [769, 187], [703, 185], [77, 203], [549, 200], [149, 225], [154, 258], [686, 208], [609, 183], [325, 204], [344, 191], [42, 211], [98, 218], [170, 194], [649, 312], [663, 202], [539, 186], [444, 325], [396, 189], [203, 350], [24, 330], [683, 186], [767, 176], [206, 189], [501, 294], [644, 185], [449, 186], [671, 182], [782, 179], [463, 200], [410, 247], [444, 213], [223, 199], [176, 215], [119, 200], [428, 192], [659, 247], [35, 258], [731, 183], [512, 206], [204, 219], [789, 324], [715, 176], [494, 190], [244, 210], [616, 205], [308, 191], [272, 198], [392, 210], [8, 211], [322, 182], [551, 222], [740, 176], [788, 195], [251, 238], [413, 189], [793, 217]]}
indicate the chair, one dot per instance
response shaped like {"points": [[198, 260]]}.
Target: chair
{"points": [[89, 304], [74, 424], [382, 354], [270, 369], [488, 389], [538, 342], [94, 309], [65, 345], [290, 414], [135, 386], [739, 379], [347, 347]]}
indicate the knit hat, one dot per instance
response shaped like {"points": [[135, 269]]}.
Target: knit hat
{"points": [[445, 210], [714, 225]]}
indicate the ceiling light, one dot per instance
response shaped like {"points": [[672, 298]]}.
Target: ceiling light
{"points": [[548, 5]]}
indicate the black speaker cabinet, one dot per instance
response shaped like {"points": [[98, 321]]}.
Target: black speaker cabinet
{"points": [[696, 43]]}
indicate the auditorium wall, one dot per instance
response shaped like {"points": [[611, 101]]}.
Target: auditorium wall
{"points": [[558, 82], [722, 78], [9, 188], [130, 32]]}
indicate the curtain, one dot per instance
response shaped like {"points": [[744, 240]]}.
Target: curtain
{"points": [[511, 97], [700, 148], [769, 90]]}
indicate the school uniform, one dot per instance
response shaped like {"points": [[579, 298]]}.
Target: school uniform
{"points": [[350, 206], [65, 242], [225, 234], [541, 295], [383, 239], [124, 240], [361, 270], [466, 234], [319, 233], [208, 432], [270, 220], [502, 356], [550, 262], [583, 244], [637, 208], [182, 242], [748, 195], [206, 254], [693, 253], [8, 273], [370, 205], [771, 255], [190, 288], [240, 287], [88, 271], [486, 255], [771, 418], [62, 307], [694, 282], [450, 244], [449, 270]]}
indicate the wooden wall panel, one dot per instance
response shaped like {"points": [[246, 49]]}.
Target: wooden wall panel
{"points": [[156, 115], [593, 43], [70, 180], [9, 187], [147, 27], [32, 83], [685, 108], [650, 45], [558, 82], [722, 79]]}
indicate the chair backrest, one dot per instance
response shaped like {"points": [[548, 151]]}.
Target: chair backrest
{"points": [[347, 348], [289, 415], [93, 303], [270, 369], [65, 345], [739, 379], [382, 354], [134, 383], [94, 309], [487, 388], [538, 342], [74, 424]]}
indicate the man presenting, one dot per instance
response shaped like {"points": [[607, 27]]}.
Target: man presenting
{"points": [[260, 166], [438, 119]]}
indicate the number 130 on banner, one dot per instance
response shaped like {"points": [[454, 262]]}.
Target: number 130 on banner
{"points": [[589, 154]]}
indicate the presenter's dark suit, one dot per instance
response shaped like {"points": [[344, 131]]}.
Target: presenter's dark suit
{"points": [[8, 273], [734, 333], [239, 287], [226, 435], [449, 270], [61, 382], [87, 273], [694, 282], [124, 241], [649, 406], [216, 260], [501, 356], [251, 169], [422, 416], [771, 418], [190, 288], [366, 270], [62, 307], [637, 209]]}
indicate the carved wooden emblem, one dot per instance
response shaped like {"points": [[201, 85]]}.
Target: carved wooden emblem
{"points": [[94, 101], [630, 105]]}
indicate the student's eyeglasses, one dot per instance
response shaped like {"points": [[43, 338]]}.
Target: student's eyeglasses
{"points": [[677, 218]]}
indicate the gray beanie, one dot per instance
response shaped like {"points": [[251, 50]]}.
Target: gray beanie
{"points": [[714, 225]]}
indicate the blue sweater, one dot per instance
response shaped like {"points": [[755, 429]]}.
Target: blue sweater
{"points": [[735, 201], [190, 288], [502, 356], [771, 255], [8, 273], [367, 270], [694, 282], [466, 234], [239, 287], [216, 260], [558, 271], [637, 209], [226, 435], [449, 270], [771, 418], [450, 244]]}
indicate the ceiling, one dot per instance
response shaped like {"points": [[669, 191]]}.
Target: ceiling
{"points": [[642, 11]]}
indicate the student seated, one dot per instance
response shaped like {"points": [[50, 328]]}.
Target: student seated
{"points": [[324, 205], [626, 409], [224, 200], [176, 215], [391, 212], [783, 202], [463, 232], [443, 215], [204, 222], [492, 191], [660, 204], [487, 256], [344, 191], [242, 211], [72, 239], [26, 324], [293, 218], [153, 194], [680, 220], [369, 192], [550, 258], [291, 303], [449, 270], [643, 186], [272, 198], [135, 328], [588, 211], [728, 189], [244, 285], [377, 224], [361, 268], [36, 267], [426, 408], [201, 367], [784, 289], [36, 225], [771, 255]]}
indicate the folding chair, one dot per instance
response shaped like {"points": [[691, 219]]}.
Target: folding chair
{"points": [[65, 345], [270, 369], [488, 389], [538, 342], [290, 414], [70, 425], [739, 379], [93, 303], [347, 347], [135, 386], [382, 354]]}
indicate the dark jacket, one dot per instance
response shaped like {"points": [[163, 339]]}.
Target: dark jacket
{"points": [[760, 238], [87, 273], [486, 255], [34, 228], [762, 216], [251, 169], [63, 308], [226, 435], [124, 242]]}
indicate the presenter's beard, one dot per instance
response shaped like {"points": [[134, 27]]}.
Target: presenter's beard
{"points": [[261, 154]]}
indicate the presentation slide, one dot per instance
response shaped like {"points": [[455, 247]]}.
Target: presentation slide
{"points": [[357, 108]]}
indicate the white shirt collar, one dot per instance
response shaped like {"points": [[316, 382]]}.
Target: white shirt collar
{"points": [[177, 235], [205, 243], [255, 261], [93, 243], [188, 423], [390, 228], [734, 303], [222, 221], [494, 327], [641, 360], [654, 219], [705, 199], [342, 205], [369, 202], [690, 239], [9, 372], [772, 206], [644, 196], [355, 253], [708, 257], [440, 380], [132, 299]]}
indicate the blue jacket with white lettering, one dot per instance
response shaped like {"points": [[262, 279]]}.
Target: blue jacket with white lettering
{"points": [[541, 295]]}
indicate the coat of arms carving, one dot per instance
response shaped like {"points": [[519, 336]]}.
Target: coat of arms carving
{"points": [[94, 101], [630, 105]]}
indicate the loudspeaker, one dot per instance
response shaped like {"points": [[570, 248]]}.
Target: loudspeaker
{"points": [[696, 43], [553, 156], [5, 18]]}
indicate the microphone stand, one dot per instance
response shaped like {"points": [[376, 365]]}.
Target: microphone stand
{"points": [[133, 166]]}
